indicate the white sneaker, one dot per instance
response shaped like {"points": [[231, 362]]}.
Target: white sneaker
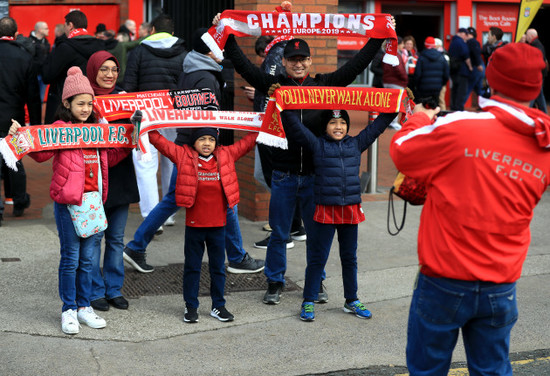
{"points": [[170, 221], [88, 316], [69, 323]]}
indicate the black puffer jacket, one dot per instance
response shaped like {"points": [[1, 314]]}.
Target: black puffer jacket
{"points": [[18, 85], [336, 162], [295, 160], [431, 73], [42, 49], [67, 53], [155, 64]]}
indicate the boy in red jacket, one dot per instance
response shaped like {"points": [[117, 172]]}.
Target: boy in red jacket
{"points": [[206, 184]]}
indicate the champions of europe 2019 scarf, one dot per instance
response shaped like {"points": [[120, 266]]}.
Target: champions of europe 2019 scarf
{"points": [[326, 98], [253, 24]]}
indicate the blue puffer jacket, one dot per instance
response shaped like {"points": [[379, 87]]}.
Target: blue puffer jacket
{"points": [[432, 72], [336, 163]]}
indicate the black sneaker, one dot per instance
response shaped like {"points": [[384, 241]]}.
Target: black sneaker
{"points": [[191, 315], [100, 304], [247, 265], [263, 243], [18, 210], [137, 260], [273, 293], [323, 295], [221, 314], [299, 235]]}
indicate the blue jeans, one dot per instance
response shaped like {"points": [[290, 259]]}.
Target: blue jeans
{"points": [[167, 207], [317, 255], [195, 240], [475, 81], [75, 265], [286, 189], [540, 101], [108, 283], [459, 92], [440, 307]]}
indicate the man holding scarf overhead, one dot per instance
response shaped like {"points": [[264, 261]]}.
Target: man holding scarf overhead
{"points": [[292, 176]]}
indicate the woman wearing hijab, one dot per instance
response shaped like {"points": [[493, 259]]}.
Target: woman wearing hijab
{"points": [[102, 71]]}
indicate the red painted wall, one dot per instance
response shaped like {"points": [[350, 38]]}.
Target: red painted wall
{"points": [[27, 15]]}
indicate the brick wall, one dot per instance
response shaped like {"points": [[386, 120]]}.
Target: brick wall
{"points": [[254, 198]]}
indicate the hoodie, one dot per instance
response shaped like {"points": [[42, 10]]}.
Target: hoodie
{"points": [[155, 64], [67, 53], [200, 72], [432, 72], [484, 174]]}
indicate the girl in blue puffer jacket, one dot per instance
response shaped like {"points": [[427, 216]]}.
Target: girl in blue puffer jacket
{"points": [[337, 196]]}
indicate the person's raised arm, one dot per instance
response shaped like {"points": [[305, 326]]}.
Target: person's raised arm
{"points": [[346, 74], [251, 73]]}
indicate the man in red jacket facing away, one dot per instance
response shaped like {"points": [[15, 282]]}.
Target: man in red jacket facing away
{"points": [[484, 174]]}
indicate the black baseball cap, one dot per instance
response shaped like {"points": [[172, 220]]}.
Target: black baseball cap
{"points": [[296, 47], [463, 30]]}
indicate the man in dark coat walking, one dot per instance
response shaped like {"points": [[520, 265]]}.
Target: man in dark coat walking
{"points": [[432, 72], [73, 51], [532, 37], [19, 86]]}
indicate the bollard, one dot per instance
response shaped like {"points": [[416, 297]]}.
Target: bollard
{"points": [[372, 154]]}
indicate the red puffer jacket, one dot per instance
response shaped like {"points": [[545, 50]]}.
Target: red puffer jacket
{"points": [[68, 167], [186, 159]]}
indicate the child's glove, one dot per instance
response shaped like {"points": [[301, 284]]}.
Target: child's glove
{"points": [[272, 89]]}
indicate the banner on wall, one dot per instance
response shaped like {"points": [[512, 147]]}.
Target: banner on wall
{"points": [[527, 11]]}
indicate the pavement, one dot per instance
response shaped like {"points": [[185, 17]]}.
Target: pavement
{"points": [[151, 337]]}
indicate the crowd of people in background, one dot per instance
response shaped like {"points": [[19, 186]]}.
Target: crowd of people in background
{"points": [[57, 84]]}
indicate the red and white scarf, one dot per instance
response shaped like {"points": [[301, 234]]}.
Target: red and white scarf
{"points": [[325, 98], [123, 105], [253, 24], [162, 119], [64, 136], [77, 32]]}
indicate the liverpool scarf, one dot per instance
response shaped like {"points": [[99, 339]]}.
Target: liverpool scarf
{"points": [[64, 136], [253, 24], [325, 98], [169, 118], [121, 106]]}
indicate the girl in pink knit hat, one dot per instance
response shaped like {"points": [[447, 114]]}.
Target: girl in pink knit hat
{"points": [[77, 173]]}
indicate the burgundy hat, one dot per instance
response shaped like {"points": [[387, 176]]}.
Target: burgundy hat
{"points": [[76, 83], [515, 70]]}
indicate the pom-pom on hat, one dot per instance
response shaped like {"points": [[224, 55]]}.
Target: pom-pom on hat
{"points": [[327, 115], [430, 42], [199, 132], [76, 83], [515, 70]]}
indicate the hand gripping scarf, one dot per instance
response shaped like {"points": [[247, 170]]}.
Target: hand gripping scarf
{"points": [[253, 24]]}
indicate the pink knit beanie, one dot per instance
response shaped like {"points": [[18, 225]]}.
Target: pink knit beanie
{"points": [[76, 83]]}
